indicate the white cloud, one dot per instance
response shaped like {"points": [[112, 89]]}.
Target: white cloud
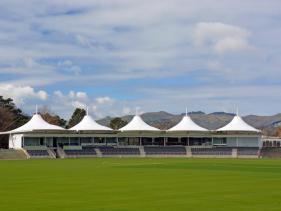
{"points": [[42, 95], [64, 104], [72, 94], [113, 42], [231, 44], [104, 100], [221, 37], [78, 104], [82, 95], [21, 93]]}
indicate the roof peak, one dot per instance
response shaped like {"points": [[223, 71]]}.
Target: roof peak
{"points": [[238, 124], [187, 124], [37, 123], [137, 124], [88, 123]]}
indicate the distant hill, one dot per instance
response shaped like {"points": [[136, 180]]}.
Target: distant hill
{"points": [[165, 120]]}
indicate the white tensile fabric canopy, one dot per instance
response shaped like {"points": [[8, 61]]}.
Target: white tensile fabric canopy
{"points": [[187, 124], [238, 124], [88, 123], [35, 123], [137, 124]]}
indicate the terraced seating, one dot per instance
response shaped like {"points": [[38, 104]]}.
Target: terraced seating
{"points": [[38, 153], [271, 152], [87, 151], [247, 151], [165, 150], [119, 151], [212, 151]]}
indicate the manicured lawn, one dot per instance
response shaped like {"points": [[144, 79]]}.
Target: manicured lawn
{"points": [[140, 184]]}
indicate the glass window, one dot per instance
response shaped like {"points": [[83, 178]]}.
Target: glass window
{"points": [[31, 141], [74, 141], [86, 140], [219, 141]]}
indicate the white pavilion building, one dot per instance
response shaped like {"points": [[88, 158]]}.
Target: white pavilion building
{"points": [[35, 126], [39, 133], [237, 133], [187, 132], [138, 132]]}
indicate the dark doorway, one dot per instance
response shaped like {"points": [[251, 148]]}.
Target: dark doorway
{"points": [[55, 142]]}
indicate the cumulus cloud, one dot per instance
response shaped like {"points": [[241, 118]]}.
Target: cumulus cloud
{"points": [[22, 93], [78, 104], [82, 95], [221, 37], [74, 95], [231, 44], [104, 100], [65, 103], [75, 99]]}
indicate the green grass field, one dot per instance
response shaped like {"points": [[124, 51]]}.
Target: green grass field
{"points": [[140, 184]]}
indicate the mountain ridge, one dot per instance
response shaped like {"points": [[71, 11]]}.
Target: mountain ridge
{"points": [[212, 121]]}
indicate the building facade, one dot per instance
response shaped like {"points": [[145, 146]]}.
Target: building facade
{"points": [[38, 133]]}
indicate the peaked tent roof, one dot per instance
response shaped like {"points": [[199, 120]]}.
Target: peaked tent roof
{"points": [[88, 123], [137, 124], [187, 124], [238, 124], [35, 123]]}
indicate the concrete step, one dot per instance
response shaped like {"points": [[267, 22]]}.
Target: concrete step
{"points": [[12, 154], [60, 153], [99, 154], [188, 152], [142, 152]]}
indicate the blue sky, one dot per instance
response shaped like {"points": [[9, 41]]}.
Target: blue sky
{"points": [[116, 55]]}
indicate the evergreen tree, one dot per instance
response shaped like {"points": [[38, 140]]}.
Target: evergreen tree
{"points": [[11, 117], [52, 118], [76, 117], [117, 123]]}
